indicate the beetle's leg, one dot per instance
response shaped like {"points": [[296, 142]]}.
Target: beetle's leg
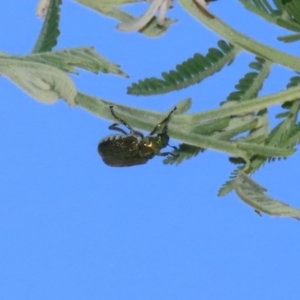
{"points": [[165, 121], [174, 147], [166, 154], [120, 120], [115, 127]]}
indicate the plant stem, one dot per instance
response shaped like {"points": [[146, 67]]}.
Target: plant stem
{"points": [[240, 40]]}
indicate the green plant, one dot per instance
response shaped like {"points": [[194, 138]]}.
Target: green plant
{"points": [[239, 127]]}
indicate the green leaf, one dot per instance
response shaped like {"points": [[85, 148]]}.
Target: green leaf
{"points": [[181, 153], [43, 82], [83, 57], [228, 186], [190, 72], [183, 106], [252, 82], [293, 9], [50, 30], [289, 38], [254, 195]]}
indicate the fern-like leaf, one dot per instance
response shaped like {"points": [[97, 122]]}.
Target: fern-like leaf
{"points": [[249, 86], [294, 138], [237, 160], [284, 135], [181, 153], [284, 15], [187, 73], [264, 9], [228, 186], [294, 81], [255, 195], [69, 59], [50, 30], [290, 21], [293, 9], [83, 57]]}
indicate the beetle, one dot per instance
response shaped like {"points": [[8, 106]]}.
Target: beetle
{"points": [[131, 149]]}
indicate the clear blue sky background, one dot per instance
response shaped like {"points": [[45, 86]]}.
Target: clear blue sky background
{"points": [[73, 228]]}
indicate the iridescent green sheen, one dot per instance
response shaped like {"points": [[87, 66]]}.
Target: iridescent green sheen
{"points": [[131, 149]]}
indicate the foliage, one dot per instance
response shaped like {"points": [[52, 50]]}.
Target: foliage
{"points": [[239, 127], [189, 72]]}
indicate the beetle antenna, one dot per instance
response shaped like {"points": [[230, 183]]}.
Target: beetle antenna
{"points": [[164, 121]]}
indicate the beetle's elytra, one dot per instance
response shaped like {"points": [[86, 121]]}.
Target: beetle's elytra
{"points": [[131, 149]]}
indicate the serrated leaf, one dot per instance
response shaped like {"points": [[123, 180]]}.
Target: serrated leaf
{"points": [[251, 83], [82, 57], [66, 60], [228, 186], [254, 195], [50, 31], [189, 72], [264, 9]]}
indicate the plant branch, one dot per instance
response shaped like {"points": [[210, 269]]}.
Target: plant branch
{"points": [[240, 40]]}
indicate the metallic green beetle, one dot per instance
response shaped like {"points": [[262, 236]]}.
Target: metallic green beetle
{"points": [[131, 149]]}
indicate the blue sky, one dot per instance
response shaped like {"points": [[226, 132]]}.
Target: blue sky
{"points": [[73, 228]]}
